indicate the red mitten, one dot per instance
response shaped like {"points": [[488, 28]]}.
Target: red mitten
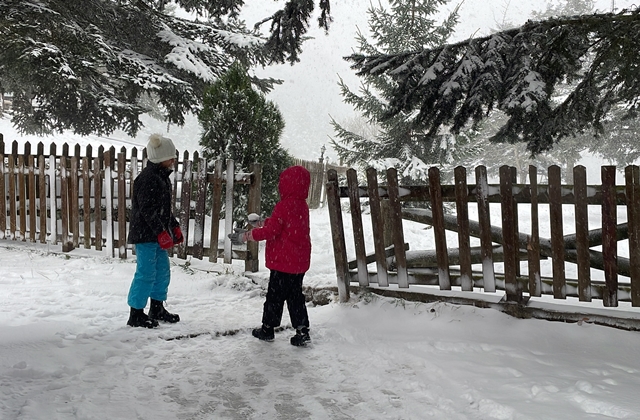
{"points": [[165, 241], [177, 236]]}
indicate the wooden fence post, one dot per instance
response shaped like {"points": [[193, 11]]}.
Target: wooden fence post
{"points": [[511, 250], [185, 205], [97, 199], [317, 175], [108, 196], [464, 243], [12, 196], [216, 207], [377, 225], [582, 232], [557, 240], [632, 175], [435, 193], [337, 235], [122, 205], [251, 262], [42, 195], [31, 196], [199, 216], [396, 223], [74, 197], [67, 245], [53, 200], [358, 232], [3, 193], [228, 212], [533, 241], [516, 222], [22, 189], [86, 201], [484, 222], [609, 240]]}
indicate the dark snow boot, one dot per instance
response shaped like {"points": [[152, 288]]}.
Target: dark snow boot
{"points": [[301, 338], [158, 312], [264, 333], [137, 318]]}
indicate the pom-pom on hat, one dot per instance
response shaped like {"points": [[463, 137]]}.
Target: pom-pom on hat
{"points": [[160, 149]]}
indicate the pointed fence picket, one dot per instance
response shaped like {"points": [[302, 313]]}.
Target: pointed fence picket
{"points": [[83, 201], [504, 245]]}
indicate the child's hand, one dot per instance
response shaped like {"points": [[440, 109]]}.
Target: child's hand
{"points": [[238, 237], [177, 236]]}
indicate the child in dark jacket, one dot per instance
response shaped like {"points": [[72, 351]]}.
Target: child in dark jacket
{"points": [[153, 230], [287, 255]]}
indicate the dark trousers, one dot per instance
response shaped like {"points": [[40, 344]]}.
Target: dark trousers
{"points": [[285, 287]]}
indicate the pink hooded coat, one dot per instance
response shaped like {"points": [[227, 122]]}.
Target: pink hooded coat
{"points": [[286, 231]]}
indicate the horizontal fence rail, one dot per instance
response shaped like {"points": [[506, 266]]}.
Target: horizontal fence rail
{"points": [[448, 267], [84, 201]]}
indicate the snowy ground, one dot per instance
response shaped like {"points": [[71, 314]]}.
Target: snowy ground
{"points": [[66, 353]]}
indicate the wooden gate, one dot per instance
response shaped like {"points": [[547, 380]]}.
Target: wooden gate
{"points": [[447, 268]]}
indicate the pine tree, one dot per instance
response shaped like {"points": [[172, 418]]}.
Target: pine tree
{"points": [[567, 151], [518, 71], [239, 123], [88, 65], [565, 8], [406, 26]]}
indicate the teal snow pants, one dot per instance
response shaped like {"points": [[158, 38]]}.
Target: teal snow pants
{"points": [[152, 276]]}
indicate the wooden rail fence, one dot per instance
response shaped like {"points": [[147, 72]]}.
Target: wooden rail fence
{"points": [[84, 200], [318, 171], [447, 268]]}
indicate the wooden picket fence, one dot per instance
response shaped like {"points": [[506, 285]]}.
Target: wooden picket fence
{"points": [[78, 200], [473, 268], [318, 171]]}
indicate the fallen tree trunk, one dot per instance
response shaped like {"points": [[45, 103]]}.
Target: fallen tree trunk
{"points": [[428, 258], [596, 258]]}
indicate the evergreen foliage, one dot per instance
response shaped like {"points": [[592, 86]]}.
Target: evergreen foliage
{"points": [[518, 71], [567, 151], [90, 65], [407, 25], [617, 142], [239, 123], [565, 8]]}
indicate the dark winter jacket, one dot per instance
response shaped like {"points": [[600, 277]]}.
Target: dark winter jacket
{"points": [[151, 205], [288, 247]]}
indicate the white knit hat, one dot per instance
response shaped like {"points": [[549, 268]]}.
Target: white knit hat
{"points": [[160, 149]]}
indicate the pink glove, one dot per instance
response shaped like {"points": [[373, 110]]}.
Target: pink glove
{"points": [[177, 235], [165, 241]]}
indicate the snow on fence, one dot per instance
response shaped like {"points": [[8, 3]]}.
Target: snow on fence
{"points": [[502, 252], [83, 201]]}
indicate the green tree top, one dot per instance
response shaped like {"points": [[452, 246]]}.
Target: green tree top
{"points": [[239, 123]]}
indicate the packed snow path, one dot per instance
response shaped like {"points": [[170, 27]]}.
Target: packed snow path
{"points": [[65, 353]]}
